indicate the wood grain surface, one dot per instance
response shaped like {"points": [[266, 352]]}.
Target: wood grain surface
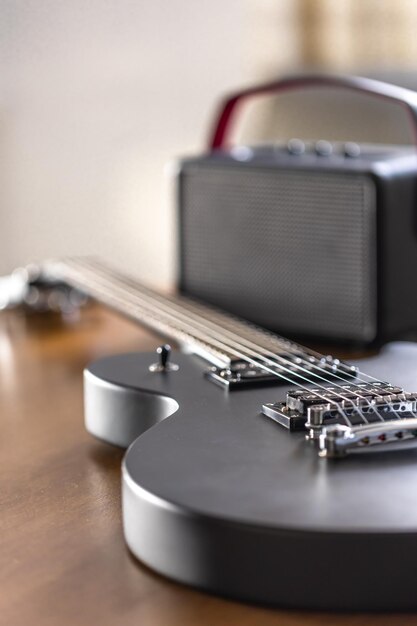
{"points": [[63, 559]]}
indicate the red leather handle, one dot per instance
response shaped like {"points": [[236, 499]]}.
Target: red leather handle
{"points": [[406, 97]]}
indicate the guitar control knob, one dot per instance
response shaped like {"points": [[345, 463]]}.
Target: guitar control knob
{"points": [[163, 364]]}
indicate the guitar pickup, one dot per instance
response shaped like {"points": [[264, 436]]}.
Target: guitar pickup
{"points": [[281, 369]]}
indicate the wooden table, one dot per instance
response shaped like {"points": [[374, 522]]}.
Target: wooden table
{"points": [[63, 558]]}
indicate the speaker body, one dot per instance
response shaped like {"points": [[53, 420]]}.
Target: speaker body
{"points": [[313, 247]]}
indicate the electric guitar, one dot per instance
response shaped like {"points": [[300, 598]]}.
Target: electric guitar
{"points": [[258, 469]]}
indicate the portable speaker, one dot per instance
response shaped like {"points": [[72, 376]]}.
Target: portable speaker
{"points": [[311, 241]]}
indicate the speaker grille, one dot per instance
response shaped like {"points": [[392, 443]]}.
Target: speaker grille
{"points": [[293, 251]]}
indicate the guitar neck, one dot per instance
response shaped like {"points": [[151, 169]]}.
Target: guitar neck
{"points": [[198, 328]]}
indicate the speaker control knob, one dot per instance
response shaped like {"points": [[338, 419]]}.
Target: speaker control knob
{"points": [[296, 146], [323, 148], [351, 149]]}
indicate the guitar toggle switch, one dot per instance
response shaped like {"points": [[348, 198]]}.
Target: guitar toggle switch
{"points": [[164, 364]]}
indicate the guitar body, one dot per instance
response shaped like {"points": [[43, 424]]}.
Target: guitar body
{"points": [[218, 496]]}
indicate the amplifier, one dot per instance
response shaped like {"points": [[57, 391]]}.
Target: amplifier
{"points": [[314, 241]]}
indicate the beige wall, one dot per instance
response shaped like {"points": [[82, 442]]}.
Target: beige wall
{"points": [[95, 97]]}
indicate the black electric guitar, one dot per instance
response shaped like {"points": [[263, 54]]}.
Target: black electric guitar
{"points": [[256, 468]]}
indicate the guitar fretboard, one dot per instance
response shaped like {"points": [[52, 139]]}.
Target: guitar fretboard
{"points": [[219, 337]]}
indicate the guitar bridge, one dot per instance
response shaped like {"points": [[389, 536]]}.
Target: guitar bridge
{"points": [[337, 440], [360, 404], [354, 405], [351, 418]]}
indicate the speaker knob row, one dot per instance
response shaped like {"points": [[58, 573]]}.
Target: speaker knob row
{"points": [[323, 148]]}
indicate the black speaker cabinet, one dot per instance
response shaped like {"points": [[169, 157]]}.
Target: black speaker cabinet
{"points": [[311, 241]]}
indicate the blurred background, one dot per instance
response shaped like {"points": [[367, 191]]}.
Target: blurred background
{"points": [[98, 98]]}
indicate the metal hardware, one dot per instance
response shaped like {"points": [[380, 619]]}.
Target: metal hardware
{"points": [[279, 412], [315, 417], [292, 365], [309, 409], [242, 374], [163, 365], [338, 440], [301, 400], [364, 417]]}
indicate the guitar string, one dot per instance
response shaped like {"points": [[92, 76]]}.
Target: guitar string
{"points": [[166, 328], [319, 363], [195, 309], [338, 395], [174, 302], [249, 343], [224, 318]]}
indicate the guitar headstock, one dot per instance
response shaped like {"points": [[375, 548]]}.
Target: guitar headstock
{"points": [[34, 288]]}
